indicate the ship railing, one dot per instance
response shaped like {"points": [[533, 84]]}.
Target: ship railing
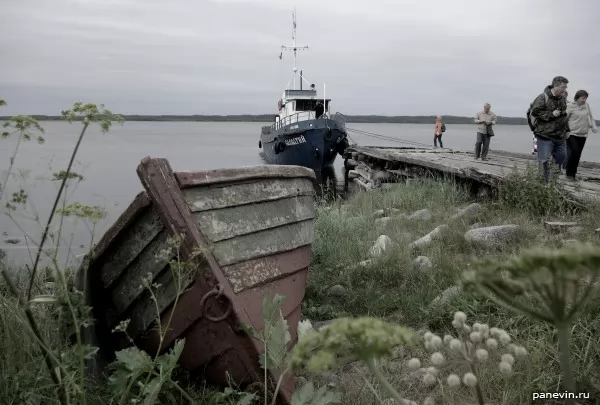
{"points": [[296, 117]]}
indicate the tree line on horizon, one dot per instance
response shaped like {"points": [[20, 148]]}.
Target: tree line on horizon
{"points": [[366, 119]]}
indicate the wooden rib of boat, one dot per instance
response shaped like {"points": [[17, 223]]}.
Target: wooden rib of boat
{"points": [[253, 227]]}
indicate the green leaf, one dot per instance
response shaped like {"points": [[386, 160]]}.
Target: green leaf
{"points": [[134, 359], [304, 394], [168, 361], [247, 399], [89, 352], [279, 337], [275, 333], [119, 379], [325, 397], [152, 389]]}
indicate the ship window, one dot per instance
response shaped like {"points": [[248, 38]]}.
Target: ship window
{"points": [[308, 105]]}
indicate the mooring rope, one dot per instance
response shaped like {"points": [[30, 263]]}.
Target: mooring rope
{"points": [[388, 138]]}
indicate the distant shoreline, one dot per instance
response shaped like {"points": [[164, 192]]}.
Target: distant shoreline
{"points": [[367, 119], [355, 119]]}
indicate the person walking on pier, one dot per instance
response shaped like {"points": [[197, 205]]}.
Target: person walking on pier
{"points": [[534, 149], [581, 121], [438, 130], [484, 121], [549, 122]]}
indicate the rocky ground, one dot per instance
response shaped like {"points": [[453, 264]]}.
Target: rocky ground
{"points": [[399, 253]]}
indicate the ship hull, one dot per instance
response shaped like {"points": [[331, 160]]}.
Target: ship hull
{"points": [[312, 143]]}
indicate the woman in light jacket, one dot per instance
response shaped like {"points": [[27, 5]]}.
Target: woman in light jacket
{"points": [[581, 121]]}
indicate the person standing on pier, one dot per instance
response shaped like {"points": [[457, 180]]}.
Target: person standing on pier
{"points": [[534, 149], [581, 121], [550, 125], [484, 121], [438, 130]]}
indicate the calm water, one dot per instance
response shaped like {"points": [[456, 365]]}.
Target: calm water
{"points": [[108, 162]]}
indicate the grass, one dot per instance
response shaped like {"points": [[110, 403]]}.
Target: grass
{"points": [[394, 288], [391, 287]]}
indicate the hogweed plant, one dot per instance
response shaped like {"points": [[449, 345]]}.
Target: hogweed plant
{"points": [[458, 360], [89, 114], [347, 340], [26, 129], [552, 286], [67, 369], [275, 337]]}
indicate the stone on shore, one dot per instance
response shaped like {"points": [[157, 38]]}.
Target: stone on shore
{"points": [[337, 291], [560, 227], [381, 245], [379, 213], [421, 215], [494, 236], [469, 213], [382, 222], [430, 237], [445, 296], [423, 263]]}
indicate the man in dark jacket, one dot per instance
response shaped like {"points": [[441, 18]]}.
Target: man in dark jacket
{"points": [[549, 115]]}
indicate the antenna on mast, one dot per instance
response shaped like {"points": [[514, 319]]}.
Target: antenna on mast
{"points": [[294, 47]]}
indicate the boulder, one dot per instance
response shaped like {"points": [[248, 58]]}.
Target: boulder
{"points": [[560, 227], [430, 237], [423, 263], [493, 236], [381, 245], [382, 222], [421, 215], [337, 291], [304, 327], [379, 213], [445, 296], [469, 213]]}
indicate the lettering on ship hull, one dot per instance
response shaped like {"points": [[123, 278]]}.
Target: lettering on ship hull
{"points": [[295, 141]]}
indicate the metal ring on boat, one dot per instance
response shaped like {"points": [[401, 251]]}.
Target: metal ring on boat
{"points": [[218, 293]]}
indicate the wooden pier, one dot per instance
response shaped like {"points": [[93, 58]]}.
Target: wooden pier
{"points": [[371, 166]]}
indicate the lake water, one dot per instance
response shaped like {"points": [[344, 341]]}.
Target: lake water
{"points": [[108, 162]]}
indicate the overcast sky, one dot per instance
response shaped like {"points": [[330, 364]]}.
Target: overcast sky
{"points": [[390, 57]]}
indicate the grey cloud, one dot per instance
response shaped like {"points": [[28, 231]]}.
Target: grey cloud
{"points": [[220, 57]]}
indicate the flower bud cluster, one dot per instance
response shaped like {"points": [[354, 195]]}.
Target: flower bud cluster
{"points": [[455, 359]]}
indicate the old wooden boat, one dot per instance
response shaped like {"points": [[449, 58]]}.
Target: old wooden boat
{"points": [[248, 232]]}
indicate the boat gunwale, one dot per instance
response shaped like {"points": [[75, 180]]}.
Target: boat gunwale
{"points": [[188, 179]]}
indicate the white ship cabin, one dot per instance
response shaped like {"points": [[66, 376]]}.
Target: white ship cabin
{"points": [[300, 105]]}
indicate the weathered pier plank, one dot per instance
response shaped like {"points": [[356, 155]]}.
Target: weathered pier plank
{"points": [[412, 162]]}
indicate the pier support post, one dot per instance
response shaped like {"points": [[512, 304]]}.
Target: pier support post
{"points": [[346, 171]]}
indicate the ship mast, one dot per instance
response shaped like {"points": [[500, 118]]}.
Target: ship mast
{"points": [[293, 48]]}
